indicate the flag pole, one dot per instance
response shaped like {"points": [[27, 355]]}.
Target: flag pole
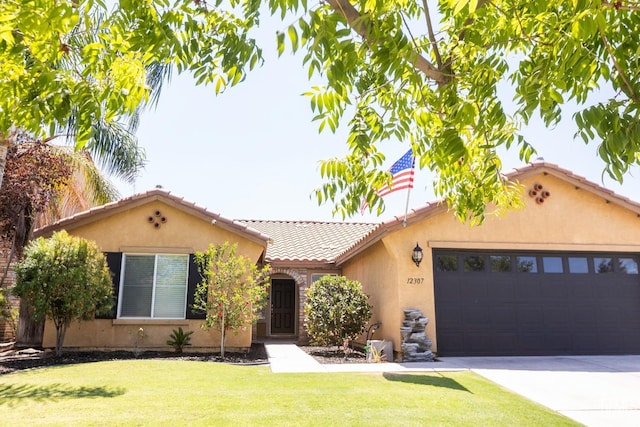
{"points": [[406, 208]]}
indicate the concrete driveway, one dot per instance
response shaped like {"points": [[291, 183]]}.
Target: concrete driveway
{"points": [[593, 390]]}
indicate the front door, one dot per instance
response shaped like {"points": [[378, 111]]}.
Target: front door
{"points": [[283, 309]]}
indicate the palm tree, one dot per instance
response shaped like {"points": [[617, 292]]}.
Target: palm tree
{"points": [[112, 145]]}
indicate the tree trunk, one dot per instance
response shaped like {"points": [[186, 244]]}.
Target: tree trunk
{"points": [[61, 331], [4, 147], [222, 330], [29, 331]]}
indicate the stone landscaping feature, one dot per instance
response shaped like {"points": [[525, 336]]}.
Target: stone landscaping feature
{"points": [[416, 347]]}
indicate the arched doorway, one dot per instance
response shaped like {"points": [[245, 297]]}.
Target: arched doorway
{"points": [[283, 306]]}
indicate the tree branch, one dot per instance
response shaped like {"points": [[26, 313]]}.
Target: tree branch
{"points": [[432, 36], [632, 94], [617, 5], [354, 19]]}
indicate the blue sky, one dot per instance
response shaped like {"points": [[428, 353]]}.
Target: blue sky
{"points": [[253, 152]]}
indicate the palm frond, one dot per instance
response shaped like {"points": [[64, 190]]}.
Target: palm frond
{"points": [[117, 151], [86, 188]]}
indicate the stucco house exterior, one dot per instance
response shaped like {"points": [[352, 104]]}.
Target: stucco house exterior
{"points": [[557, 277], [148, 238]]}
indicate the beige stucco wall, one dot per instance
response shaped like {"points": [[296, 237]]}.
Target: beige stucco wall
{"points": [[570, 219], [131, 231], [377, 271], [125, 334], [182, 232]]}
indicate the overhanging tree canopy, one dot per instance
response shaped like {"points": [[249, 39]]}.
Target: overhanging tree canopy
{"points": [[423, 72]]}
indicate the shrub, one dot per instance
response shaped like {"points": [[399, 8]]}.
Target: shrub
{"points": [[179, 339], [336, 311], [7, 311], [64, 278]]}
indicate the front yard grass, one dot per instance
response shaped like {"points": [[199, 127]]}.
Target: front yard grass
{"points": [[171, 393]]}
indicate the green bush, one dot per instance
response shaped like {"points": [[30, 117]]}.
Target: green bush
{"points": [[336, 311], [7, 311], [179, 339], [64, 278]]}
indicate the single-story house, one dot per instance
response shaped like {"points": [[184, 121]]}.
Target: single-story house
{"points": [[149, 240], [557, 277]]}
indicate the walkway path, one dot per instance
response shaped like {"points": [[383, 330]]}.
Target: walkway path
{"points": [[289, 358]]}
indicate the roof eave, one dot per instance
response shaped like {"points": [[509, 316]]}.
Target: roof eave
{"points": [[439, 206], [109, 209]]}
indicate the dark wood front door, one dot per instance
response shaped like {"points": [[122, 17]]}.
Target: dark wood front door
{"points": [[283, 309]]}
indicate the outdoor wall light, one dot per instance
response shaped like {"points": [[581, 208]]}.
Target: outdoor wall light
{"points": [[417, 255]]}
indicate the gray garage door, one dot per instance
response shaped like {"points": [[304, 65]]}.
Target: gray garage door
{"points": [[534, 303]]}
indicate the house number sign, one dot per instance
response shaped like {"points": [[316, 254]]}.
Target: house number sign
{"points": [[415, 280]]}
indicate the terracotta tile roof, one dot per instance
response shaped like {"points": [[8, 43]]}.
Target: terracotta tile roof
{"points": [[309, 241], [438, 206], [165, 196]]}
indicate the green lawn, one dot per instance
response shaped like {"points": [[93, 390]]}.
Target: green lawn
{"points": [[171, 393]]}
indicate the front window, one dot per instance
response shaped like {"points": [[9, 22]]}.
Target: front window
{"points": [[154, 286]]}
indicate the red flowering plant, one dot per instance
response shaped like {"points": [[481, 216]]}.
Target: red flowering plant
{"points": [[232, 292]]}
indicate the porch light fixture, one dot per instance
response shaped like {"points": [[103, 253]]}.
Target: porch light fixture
{"points": [[417, 255]]}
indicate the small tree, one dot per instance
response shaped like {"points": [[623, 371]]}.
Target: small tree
{"points": [[8, 312], [64, 278], [232, 292], [336, 311]]}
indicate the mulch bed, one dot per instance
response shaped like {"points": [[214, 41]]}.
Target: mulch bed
{"points": [[12, 360], [335, 355]]}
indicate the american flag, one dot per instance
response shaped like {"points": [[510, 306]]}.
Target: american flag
{"points": [[402, 173]]}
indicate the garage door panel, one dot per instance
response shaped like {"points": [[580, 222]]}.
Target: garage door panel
{"points": [[556, 317], [583, 316], [531, 343], [473, 291], [587, 343], [610, 315], [455, 342], [508, 342], [611, 341], [529, 315], [478, 315], [560, 343], [449, 292], [503, 317], [479, 343], [450, 318], [583, 290], [553, 289], [529, 292], [502, 289], [527, 311]]}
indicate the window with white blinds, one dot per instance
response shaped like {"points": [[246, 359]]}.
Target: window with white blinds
{"points": [[154, 286]]}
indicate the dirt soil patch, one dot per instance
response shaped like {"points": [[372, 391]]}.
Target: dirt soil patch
{"points": [[334, 355]]}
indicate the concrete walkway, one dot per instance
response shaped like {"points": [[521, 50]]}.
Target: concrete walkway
{"points": [[289, 358], [593, 390]]}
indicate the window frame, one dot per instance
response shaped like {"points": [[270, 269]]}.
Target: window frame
{"points": [[154, 286]]}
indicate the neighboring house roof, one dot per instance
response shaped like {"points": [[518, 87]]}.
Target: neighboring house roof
{"points": [[434, 208], [309, 241], [99, 212]]}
